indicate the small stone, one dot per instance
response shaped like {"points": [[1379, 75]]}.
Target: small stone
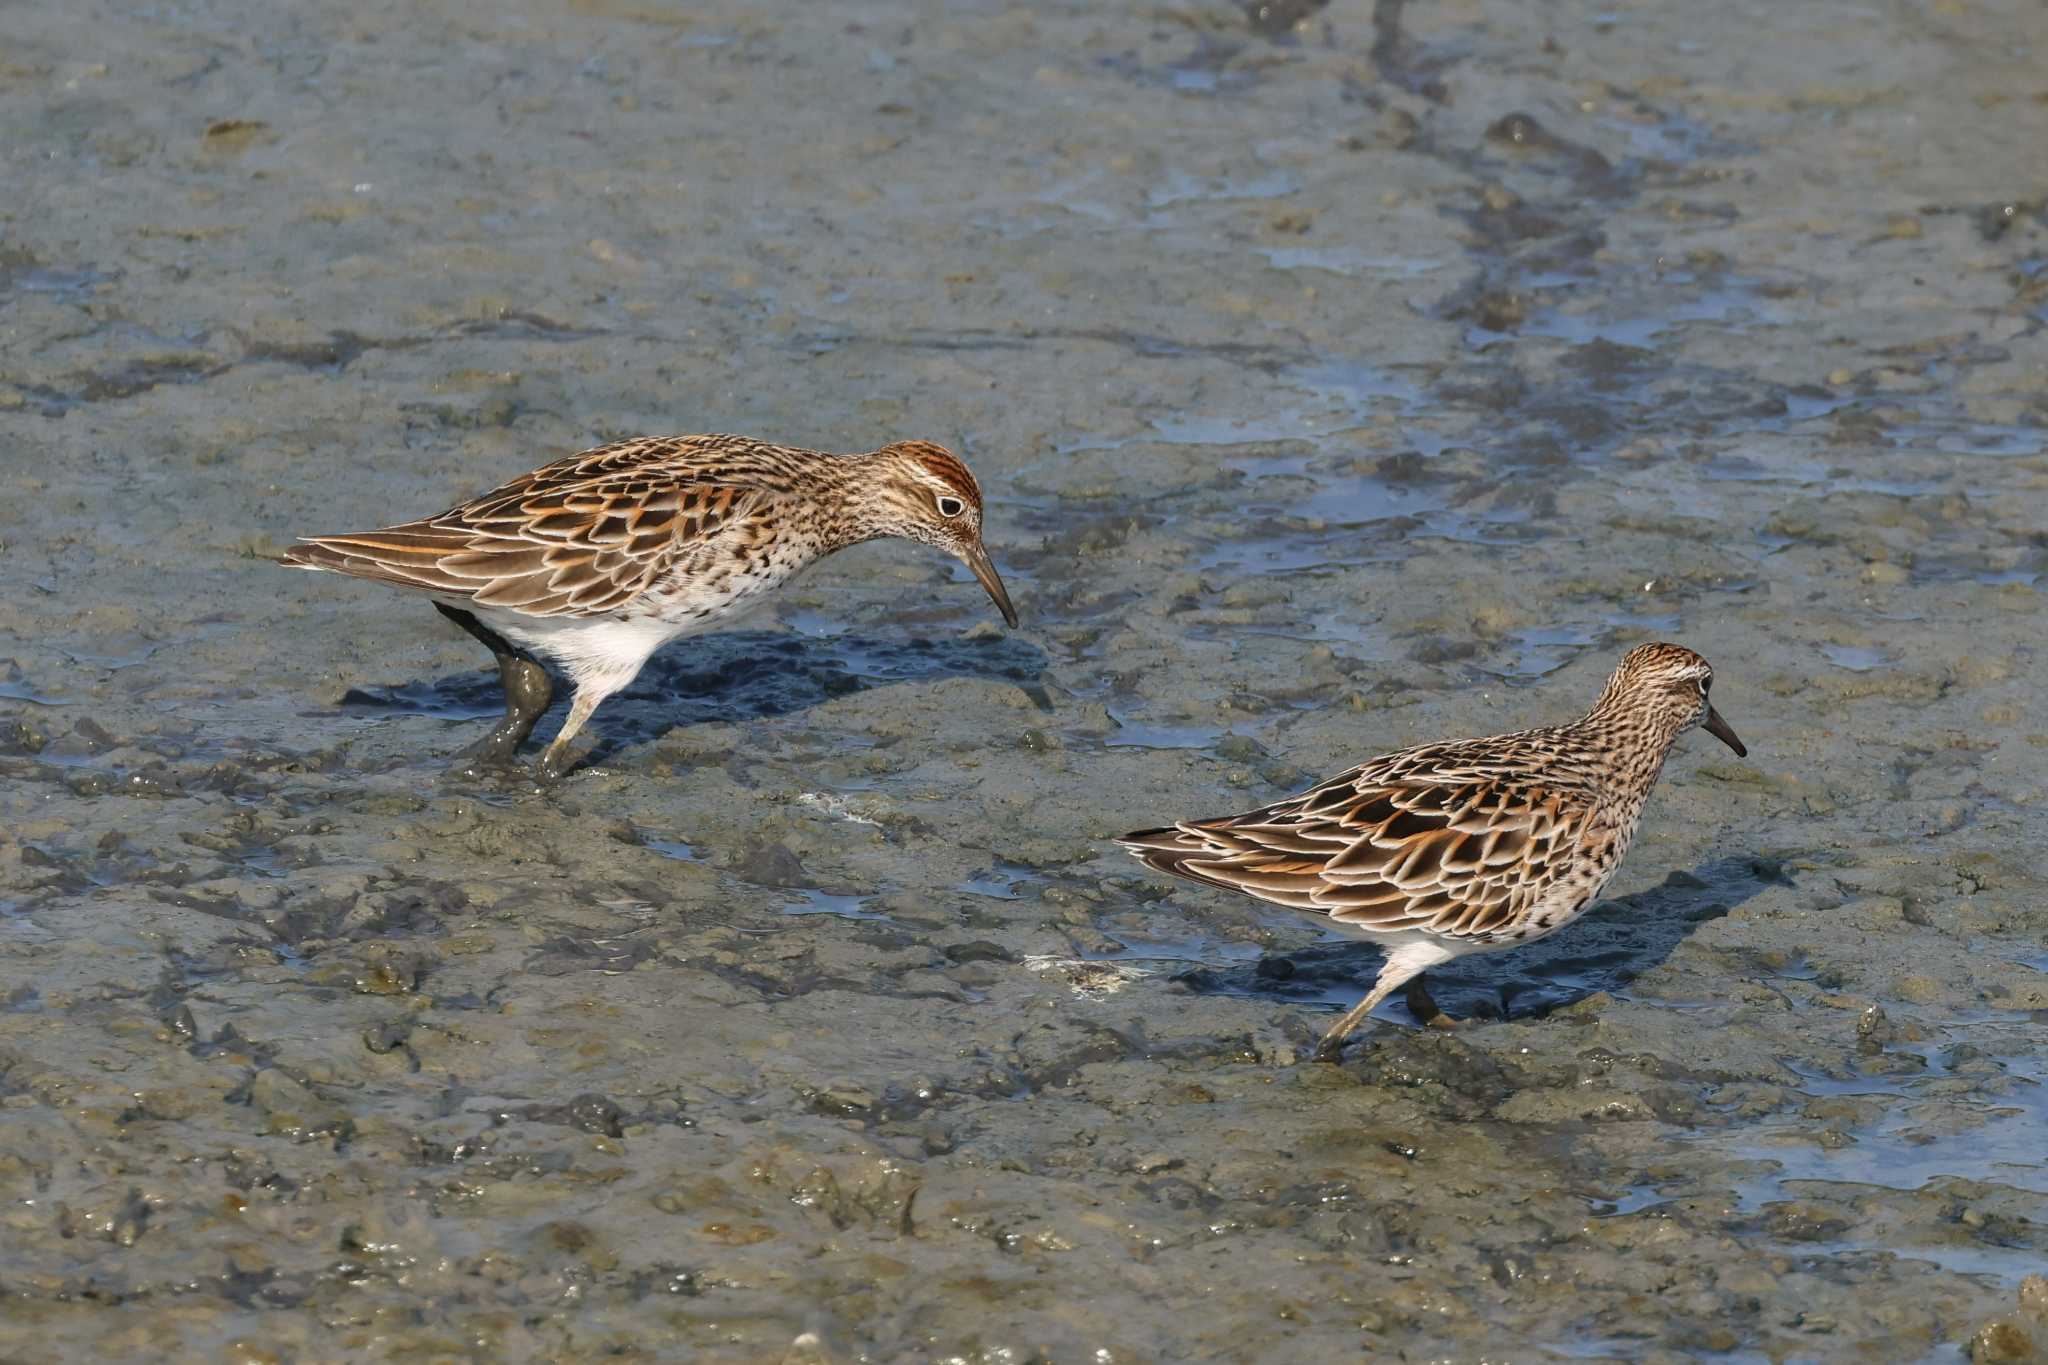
{"points": [[384, 1037], [233, 136], [1239, 749], [18, 737], [1398, 128], [809, 1348], [770, 864]]}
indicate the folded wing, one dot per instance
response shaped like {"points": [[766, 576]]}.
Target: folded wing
{"points": [[1457, 858], [578, 537]]}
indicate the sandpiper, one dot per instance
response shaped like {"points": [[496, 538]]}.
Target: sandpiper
{"points": [[601, 558], [1460, 847]]}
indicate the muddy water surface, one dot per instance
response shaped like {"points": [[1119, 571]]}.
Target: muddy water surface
{"points": [[1341, 377]]}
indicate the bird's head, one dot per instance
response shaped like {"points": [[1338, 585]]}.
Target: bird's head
{"points": [[1669, 686], [923, 492]]}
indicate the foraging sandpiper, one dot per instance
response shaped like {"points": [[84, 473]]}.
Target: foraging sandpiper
{"points": [[599, 559], [1460, 847]]}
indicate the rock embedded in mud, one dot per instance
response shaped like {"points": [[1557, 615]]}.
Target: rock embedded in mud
{"points": [[2005, 1342]]}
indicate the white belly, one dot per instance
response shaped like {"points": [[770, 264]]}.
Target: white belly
{"points": [[588, 647]]}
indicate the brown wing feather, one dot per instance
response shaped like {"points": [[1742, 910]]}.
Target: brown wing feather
{"points": [[1459, 856], [578, 537]]}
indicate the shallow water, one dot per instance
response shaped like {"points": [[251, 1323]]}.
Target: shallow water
{"points": [[1354, 376]]}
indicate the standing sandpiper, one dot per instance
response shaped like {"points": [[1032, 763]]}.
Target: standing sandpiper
{"points": [[599, 559], [1462, 847]]}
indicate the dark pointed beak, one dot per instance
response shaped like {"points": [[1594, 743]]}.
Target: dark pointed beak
{"points": [[985, 570], [1721, 730]]}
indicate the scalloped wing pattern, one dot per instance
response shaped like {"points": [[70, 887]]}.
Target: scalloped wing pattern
{"points": [[580, 537], [1387, 848]]}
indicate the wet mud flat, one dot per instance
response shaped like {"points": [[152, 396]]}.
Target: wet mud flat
{"points": [[1347, 378]]}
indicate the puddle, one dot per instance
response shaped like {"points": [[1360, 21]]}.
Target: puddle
{"points": [[827, 903], [1905, 1149], [1967, 438], [1179, 187], [1002, 882], [670, 848], [1310, 487], [1668, 137], [1736, 304], [1181, 952], [1539, 652], [1346, 261], [1856, 658], [74, 283], [1134, 732], [15, 687]]}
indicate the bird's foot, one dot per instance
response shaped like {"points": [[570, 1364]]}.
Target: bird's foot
{"points": [[553, 765], [489, 755]]}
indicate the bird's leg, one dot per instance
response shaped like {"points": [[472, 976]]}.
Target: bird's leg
{"points": [[528, 690], [1401, 965], [590, 692], [1332, 1045], [593, 684], [1426, 1010], [554, 760]]}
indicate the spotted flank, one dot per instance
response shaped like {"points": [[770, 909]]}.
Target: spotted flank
{"points": [[1446, 849], [594, 562]]}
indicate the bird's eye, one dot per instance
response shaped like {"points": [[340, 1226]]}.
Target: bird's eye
{"points": [[951, 507], [1706, 684]]}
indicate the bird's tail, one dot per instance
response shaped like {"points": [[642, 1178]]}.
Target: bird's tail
{"points": [[407, 556], [1171, 849]]}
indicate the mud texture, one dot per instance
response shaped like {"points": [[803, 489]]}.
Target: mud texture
{"points": [[1342, 376]]}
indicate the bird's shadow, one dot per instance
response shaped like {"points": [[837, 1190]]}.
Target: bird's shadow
{"points": [[1605, 949], [729, 676]]}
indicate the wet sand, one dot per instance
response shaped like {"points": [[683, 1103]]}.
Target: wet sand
{"points": [[1337, 384]]}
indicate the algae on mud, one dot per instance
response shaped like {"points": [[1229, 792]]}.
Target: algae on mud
{"points": [[1337, 384]]}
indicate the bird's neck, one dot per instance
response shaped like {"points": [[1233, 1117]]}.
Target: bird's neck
{"points": [[1635, 739], [841, 497]]}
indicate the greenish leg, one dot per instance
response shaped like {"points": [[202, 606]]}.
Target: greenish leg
{"points": [[528, 690]]}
